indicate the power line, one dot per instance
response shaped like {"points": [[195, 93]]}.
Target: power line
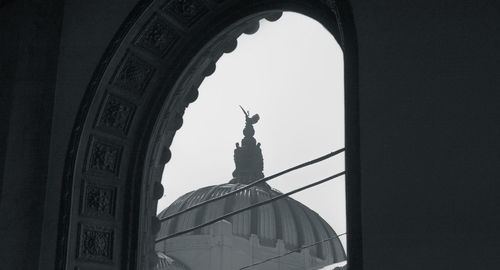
{"points": [[292, 251], [255, 183], [249, 207]]}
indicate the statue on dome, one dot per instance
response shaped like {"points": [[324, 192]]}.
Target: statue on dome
{"points": [[250, 120], [248, 156], [248, 131]]}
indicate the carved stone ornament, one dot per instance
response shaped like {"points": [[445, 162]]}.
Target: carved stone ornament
{"points": [[116, 115], [158, 37], [96, 243], [134, 74], [186, 11], [98, 200], [104, 157]]}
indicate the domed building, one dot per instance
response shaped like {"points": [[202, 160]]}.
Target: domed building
{"points": [[250, 237]]}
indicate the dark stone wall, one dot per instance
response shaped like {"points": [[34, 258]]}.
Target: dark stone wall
{"points": [[88, 28], [29, 39], [48, 52], [429, 112]]}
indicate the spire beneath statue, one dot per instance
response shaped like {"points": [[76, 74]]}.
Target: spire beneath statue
{"points": [[248, 157]]}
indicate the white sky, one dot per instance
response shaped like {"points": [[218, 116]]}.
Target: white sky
{"points": [[291, 73]]}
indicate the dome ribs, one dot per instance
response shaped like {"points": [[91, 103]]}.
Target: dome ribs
{"points": [[311, 235], [286, 219], [329, 245], [172, 224], [298, 224], [267, 219], [229, 201], [242, 221], [307, 229], [277, 213], [254, 214], [187, 220], [202, 211], [287, 224], [319, 235], [214, 209], [338, 252]]}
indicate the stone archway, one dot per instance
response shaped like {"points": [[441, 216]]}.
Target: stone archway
{"points": [[133, 107]]}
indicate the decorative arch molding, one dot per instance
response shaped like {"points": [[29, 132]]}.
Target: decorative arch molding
{"points": [[133, 106]]}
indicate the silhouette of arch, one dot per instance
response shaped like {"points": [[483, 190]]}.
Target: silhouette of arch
{"points": [[134, 104]]}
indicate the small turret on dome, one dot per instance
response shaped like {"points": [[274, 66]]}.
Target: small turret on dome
{"points": [[248, 157]]}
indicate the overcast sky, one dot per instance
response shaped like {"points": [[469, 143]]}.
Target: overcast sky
{"points": [[291, 73]]}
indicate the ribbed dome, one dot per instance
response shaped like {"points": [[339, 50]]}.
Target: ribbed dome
{"points": [[285, 219]]}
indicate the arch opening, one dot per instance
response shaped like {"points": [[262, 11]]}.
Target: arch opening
{"points": [[295, 102], [130, 113]]}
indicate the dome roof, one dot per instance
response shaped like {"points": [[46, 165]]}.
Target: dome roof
{"points": [[285, 219]]}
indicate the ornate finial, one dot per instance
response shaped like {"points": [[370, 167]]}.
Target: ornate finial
{"points": [[248, 131], [248, 157]]}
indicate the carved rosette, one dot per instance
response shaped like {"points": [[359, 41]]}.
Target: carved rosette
{"points": [[157, 37], [96, 244], [134, 74], [104, 157], [186, 11], [116, 115], [99, 200]]}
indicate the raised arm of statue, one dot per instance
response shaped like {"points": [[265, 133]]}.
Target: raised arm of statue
{"points": [[250, 120]]}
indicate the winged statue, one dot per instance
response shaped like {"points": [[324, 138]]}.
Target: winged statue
{"points": [[250, 120]]}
